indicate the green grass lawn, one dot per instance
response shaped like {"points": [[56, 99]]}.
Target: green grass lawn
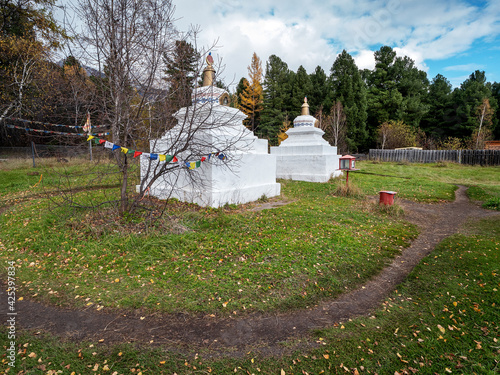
{"points": [[443, 318], [313, 248]]}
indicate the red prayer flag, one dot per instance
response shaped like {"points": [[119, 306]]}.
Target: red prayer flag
{"points": [[101, 141], [137, 153], [203, 158], [175, 160]]}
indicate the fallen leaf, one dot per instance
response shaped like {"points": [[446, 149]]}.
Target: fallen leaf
{"points": [[441, 328]]}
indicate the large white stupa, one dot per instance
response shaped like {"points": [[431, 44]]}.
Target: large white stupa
{"points": [[305, 155], [219, 161]]}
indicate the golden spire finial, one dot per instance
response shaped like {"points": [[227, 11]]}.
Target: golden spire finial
{"points": [[305, 108], [209, 71]]}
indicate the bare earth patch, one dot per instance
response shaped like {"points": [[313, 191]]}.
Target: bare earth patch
{"points": [[268, 334]]}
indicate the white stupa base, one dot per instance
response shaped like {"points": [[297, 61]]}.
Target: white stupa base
{"points": [[250, 177], [219, 198], [311, 168], [305, 155]]}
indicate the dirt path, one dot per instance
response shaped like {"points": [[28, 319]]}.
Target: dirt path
{"points": [[262, 333]]}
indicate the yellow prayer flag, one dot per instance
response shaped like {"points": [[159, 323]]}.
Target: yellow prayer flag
{"points": [[162, 157], [124, 150], [192, 165], [90, 137]]}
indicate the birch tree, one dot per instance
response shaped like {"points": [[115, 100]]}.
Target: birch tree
{"points": [[484, 114]]}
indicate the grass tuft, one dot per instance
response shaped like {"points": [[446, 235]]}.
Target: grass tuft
{"points": [[394, 210], [341, 189], [492, 204], [441, 164]]}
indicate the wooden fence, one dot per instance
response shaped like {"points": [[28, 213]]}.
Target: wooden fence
{"points": [[470, 157]]}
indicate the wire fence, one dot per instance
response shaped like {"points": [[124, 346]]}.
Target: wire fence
{"points": [[51, 151]]}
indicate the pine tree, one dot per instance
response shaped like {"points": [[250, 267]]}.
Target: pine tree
{"points": [[318, 96], [396, 90], [413, 85], [441, 113], [348, 87], [277, 89], [301, 87], [251, 97], [495, 91], [181, 74], [384, 100], [467, 99]]}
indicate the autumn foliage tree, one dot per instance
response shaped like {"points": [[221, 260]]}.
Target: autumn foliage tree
{"points": [[484, 114], [251, 98], [287, 124], [28, 33], [395, 134]]}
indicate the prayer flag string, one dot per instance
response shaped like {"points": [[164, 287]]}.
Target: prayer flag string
{"points": [[58, 125], [156, 156], [109, 145], [53, 132]]}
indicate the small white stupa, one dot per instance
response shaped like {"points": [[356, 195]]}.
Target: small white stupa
{"points": [[305, 155], [221, 161]]}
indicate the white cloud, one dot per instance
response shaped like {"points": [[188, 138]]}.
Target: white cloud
{"points": [[365, 59], [464, 68], [313, 32]]}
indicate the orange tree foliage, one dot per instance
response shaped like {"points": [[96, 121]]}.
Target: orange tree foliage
{"points": [[251, 98]]}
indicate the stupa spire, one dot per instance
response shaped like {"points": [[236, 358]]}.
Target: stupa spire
{"points": [[305, 108], [209, 71]]}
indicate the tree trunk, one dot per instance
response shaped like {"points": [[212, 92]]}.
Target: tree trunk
{"points": [[480, 125]]}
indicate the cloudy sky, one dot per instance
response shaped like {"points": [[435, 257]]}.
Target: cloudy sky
{"points": [[451, 37]]}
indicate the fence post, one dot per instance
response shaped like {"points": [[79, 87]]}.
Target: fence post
{"points": [[33, 153]]}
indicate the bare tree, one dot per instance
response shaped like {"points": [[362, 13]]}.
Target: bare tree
{"points": [[126, 41], [334, 125], [338, 122], [484, 114]]}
